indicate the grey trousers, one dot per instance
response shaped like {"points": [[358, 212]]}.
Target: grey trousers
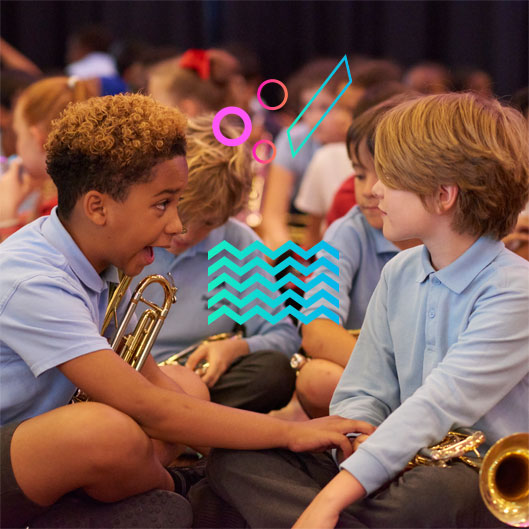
{"points": [[271, 488], [261, 382]]}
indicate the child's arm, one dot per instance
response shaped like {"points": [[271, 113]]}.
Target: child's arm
{"points": [[325, 508], [274, 230], [325, 339], [16, 184], [175, 417], [480, 368]]}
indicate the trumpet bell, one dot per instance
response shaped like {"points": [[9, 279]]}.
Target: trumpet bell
{"points": [[504, 480]]}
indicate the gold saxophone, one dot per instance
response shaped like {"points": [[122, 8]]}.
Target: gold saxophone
{"points": [[134, 348], [503, 472]]}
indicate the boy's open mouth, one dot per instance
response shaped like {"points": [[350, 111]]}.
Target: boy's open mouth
{"points": [[148, 255]]}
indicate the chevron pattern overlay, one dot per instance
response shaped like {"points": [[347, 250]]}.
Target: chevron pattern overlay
{"points": [[243, 284]]}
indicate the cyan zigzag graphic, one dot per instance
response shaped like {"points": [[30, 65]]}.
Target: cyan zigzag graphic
{"points": [[259, 246], [275, 318], [273, 270], [272, 302], [271, 285]]}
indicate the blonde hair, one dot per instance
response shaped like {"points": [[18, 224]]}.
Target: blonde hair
{"points": [[458, 139], [43, 101], [220, 176]]}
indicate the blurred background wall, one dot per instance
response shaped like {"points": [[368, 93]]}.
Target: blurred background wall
{"points": [[490, 35]]}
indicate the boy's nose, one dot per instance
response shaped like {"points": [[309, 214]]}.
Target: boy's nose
{"points": [[377, 189], [174, 225]]}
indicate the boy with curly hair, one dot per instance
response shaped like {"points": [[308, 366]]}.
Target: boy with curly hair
{"points": [[119, 166], [444, 344], [251, 372]]}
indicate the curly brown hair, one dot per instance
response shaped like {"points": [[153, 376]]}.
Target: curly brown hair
{"points": [[109, 143]]}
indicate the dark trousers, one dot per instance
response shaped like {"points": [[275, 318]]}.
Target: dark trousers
{"points": [[260, 381], [271, 488]]}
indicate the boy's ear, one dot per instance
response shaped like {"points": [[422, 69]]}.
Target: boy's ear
{"points": [[446, 198], [95, 208], [39, 134]]}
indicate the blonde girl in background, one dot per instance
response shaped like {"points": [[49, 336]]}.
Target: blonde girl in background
{"points": [[26, 190]]}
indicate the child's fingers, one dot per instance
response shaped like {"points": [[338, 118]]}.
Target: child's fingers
{"points": [[199, 354]]}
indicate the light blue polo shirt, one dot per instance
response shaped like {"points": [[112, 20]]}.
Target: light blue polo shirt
{"points": [[52, 305], [187, 321], [438, 350], [298, 164], [363, 253]]}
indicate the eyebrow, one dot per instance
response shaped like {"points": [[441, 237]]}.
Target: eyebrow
{"points": [[169, 191], [357, 165]]}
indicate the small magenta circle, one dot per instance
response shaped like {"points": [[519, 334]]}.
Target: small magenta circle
{"points": [[254, 151], [264, 83], [222, 114]]}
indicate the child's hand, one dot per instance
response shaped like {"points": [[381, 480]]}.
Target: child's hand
{"points": [[15, 186], [317, 516], [324, 433], [218, 357], [324, 510], [355, 443]]}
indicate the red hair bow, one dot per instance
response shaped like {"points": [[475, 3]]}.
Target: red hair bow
{"points": [[197, 60]]}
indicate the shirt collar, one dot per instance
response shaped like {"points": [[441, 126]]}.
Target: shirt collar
{"points": [[459, 274], [57, 235]]}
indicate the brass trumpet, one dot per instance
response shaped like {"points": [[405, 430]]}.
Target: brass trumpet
{"points": [[503, 474], [135, 347]]}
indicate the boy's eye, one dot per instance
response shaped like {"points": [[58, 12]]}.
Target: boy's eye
{"points": [[359, 176], [163, 205]]}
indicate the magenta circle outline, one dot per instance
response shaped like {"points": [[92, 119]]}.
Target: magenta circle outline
{"points": [[282, 104], [268, 142], [220, 115]]}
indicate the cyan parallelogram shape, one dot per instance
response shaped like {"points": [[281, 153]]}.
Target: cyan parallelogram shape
{"points": [[295, 151], [257, 278]]}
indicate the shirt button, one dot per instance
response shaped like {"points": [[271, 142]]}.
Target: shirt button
{"points": [[431, 313], [436, 281]]}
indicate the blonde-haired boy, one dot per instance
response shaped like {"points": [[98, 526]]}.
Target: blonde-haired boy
{"points": [[445, 341], [252, 372]]}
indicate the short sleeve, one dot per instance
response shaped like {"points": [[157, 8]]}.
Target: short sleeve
{"points": [[48, 321]]}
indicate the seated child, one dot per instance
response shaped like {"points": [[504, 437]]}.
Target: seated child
{"points": [[445, 340], [330, 166], [196, 82], [363, 253], [26, 177], [119, 166], [253, 372]]}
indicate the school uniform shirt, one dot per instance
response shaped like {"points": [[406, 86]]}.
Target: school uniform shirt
{"points": [[296, 164], [439, 350], [187, 321], [363, 252], [327, 170], [52, 305]]}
